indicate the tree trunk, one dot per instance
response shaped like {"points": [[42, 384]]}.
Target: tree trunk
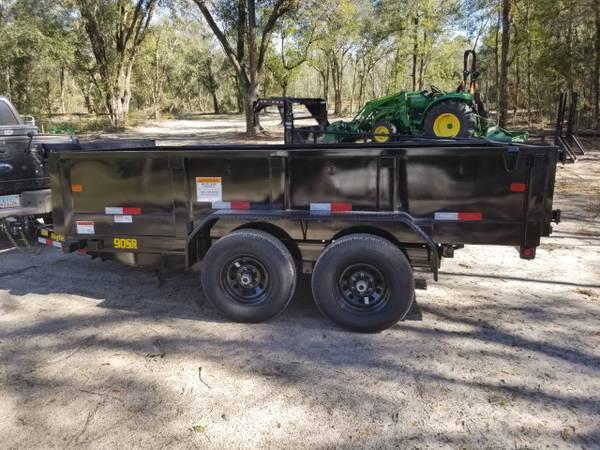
{"points": [[517, 87], [250, 94], [503, 101], [569, 74], [62, 89], [396, 71], [422, 62], [325, 79], [596, 83], [284, 85], [120, 98], [239, 97], [337, 79], [48, 96], [353, 85], [115, 70], [215, 100], [415, 53], [497, 63], [8, 85], [529, 118], [156, 82]]}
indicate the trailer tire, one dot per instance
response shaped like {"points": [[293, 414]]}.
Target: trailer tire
{"points": [[249, 275], [450, 119], [363, 283]]}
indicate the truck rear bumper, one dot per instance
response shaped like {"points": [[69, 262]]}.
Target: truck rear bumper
{"points": [[33, 203]]}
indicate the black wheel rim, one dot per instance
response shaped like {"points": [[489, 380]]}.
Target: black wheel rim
{"points": [[362, 288], [246, 280]]}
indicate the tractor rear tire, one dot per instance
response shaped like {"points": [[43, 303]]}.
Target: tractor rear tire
{"points": [[450, 119], [382, 129]]}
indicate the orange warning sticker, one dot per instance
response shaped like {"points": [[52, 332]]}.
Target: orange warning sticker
{"points": [[76, 188], [208, 179]]}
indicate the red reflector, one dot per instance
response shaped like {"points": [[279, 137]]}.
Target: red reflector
{"points": [[518, 187], [240, 205], [341, 207], [132, 211], [528, 252], [469, 216]]}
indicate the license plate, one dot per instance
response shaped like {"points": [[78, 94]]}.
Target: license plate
{"points": [[10, 201]]}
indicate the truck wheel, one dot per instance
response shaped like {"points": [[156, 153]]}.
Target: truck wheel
{"points": [[383, 128], [363, 283], [450, 119], [249, 275]]}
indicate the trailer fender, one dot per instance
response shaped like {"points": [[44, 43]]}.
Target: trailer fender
{"points": [[409, 225], [193, 251]]}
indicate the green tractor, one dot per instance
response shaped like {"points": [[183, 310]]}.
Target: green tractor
{"points": [[434, 114]]}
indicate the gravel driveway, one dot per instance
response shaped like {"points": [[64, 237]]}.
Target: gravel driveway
{"points": [[95, 354]]}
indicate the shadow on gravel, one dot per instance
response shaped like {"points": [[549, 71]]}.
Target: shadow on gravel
{"points": [[526, 280], [140, 299]]}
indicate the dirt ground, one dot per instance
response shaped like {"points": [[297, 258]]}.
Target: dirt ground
{"points": [[94, 354]]}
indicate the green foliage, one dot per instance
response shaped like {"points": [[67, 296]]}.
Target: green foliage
{"points": [[346, 50]]}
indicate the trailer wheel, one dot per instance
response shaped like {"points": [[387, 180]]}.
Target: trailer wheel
{"points": [[382, 130], [450, 119], [363, 283], [249, 275]]}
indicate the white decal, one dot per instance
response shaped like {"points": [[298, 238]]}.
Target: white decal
{"points": [[85, 227], [209, 189], [123, 219]]}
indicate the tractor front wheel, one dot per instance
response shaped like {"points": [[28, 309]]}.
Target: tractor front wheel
{"points": [[382, 130], [450, 119]]}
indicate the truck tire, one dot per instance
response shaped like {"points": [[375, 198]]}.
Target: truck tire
{"points": [[249, 275], [363, 283], [450, 119], [383, 128]]}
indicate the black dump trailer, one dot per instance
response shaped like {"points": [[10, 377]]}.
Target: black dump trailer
{"points": [[251, 218]]}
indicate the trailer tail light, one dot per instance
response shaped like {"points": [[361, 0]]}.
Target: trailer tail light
{"points": [[458, 216], [528, 253], [327, 208], [518, 187]]}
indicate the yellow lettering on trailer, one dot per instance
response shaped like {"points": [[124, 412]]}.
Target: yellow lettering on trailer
{"points": [[57, 237], [125, 244]]}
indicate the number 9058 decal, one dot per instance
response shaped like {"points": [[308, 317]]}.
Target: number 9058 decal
{"points": [[125, 244]]}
